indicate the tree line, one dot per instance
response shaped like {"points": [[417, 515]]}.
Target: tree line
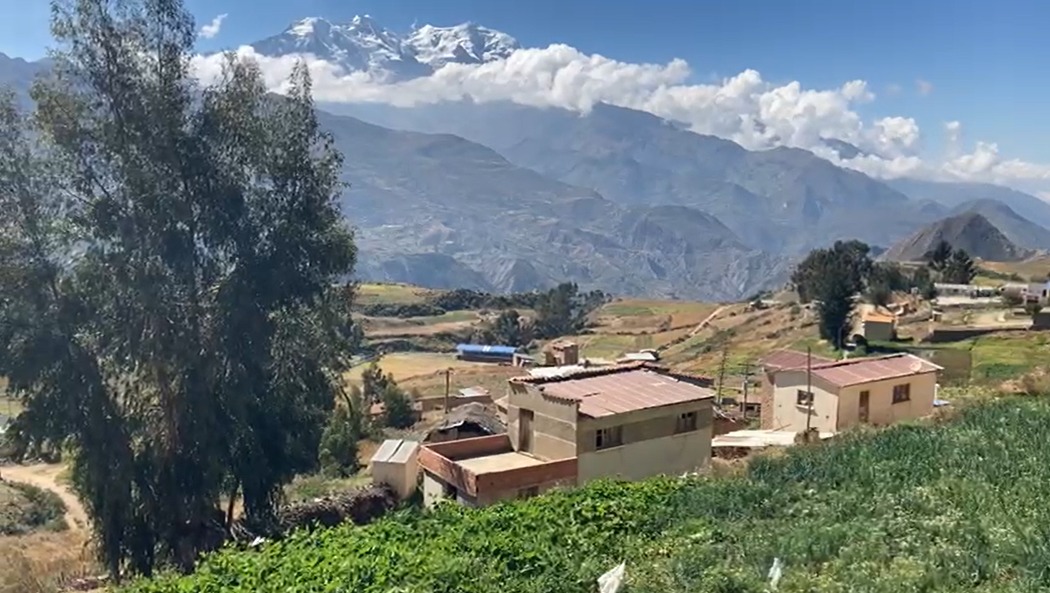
{"points": [[561, 311], [833, 278]]}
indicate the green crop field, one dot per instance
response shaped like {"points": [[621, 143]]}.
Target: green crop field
{"points": [[953, 506]]}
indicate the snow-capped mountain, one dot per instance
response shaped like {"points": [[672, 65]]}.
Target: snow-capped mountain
{"points": [[362, 45], [467, 43]]}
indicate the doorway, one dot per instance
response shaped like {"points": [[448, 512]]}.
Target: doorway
{"points": [[525, 430], [862, 408]]}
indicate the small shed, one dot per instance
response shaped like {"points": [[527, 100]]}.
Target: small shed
{"points": [[562, 353], [486, 353], [879, 327], [396, 464], [467, 421]]}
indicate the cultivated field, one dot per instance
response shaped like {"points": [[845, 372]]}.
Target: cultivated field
{"points": [[1035, 269]]}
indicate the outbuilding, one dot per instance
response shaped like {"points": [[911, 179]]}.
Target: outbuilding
{"points": [[486, 353]]}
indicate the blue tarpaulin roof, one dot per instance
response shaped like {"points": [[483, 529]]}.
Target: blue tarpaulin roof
{"points": [[483, 349]]}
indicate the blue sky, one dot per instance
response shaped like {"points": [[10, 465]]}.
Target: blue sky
{"points": [[985, 62]]}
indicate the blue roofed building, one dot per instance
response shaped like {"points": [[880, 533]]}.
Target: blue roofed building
{"points": [[486, 353]]}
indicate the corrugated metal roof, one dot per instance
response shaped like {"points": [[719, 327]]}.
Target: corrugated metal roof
{"points": [[486, 349], [625, 391], [395, 451], [473, 391], [790, 359], [855, 371]]}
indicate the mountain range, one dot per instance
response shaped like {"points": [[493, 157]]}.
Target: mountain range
{"points": [[504, 197]]}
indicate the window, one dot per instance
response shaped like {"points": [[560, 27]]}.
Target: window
{"points": [[686, 423], [901, 393], [608, 437], [803, 398]]}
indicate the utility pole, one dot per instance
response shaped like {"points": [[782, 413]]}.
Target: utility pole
{"points": [[747, 379], [722, 375], [809, 386], [448, 386]]}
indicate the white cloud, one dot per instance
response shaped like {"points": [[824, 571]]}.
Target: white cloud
{"points": [[212, 29], [745, 108], [924, 87]]}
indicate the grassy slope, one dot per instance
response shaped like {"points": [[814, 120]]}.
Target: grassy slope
{"points": [[955, 507]]}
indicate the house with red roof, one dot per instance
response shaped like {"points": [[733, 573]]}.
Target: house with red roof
{"points": [[836, 395], [629, 421]]}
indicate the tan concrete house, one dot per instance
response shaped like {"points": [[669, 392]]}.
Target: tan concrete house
{"points": [[879, 327], [773, 362], [878, 391], [628, 421]]}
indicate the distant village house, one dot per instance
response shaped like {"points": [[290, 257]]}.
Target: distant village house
{"points": [[485, 353], [879, 327]]}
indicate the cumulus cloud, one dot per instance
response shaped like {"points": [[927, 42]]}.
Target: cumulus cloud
{"points": [[924, 87], [212, 29], [746, 108]]}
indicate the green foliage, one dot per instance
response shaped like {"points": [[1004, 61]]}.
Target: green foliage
{"points": [[337, 453], [374, 383], [950, 507], [24, 508], [508, 329], [938, 257], [960, 268], [564, 309], [397, 407], [168, 259], [831, 277], [1033, 309]]}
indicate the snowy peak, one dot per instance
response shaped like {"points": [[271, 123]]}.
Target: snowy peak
{"points": [[363, 45], [467, 43]]}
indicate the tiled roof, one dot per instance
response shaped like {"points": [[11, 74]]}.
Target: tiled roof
{"points": [[856, 371], [790, 359], [626, 390]]}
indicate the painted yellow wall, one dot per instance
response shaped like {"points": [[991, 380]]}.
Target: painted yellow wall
{"points": [[835, 410], [787, 415], [882, 410], [650, 446], [553, 424]]}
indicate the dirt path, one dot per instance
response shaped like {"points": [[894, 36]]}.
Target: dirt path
{"points": [[700, 326], [46, 476]]}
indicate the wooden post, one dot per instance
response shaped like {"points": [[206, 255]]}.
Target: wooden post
{"points": [[747, 379], [721, 375], [448, 386], [809, 386]]}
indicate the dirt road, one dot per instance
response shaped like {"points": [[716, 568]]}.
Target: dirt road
{"points": [[46, 476], [700, 326]]}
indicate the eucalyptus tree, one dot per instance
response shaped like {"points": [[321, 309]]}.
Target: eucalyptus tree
{"points": [[169, 257]]}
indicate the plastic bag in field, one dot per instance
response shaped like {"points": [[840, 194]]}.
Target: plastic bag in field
{"points": [[775, 573], [610, 581]]}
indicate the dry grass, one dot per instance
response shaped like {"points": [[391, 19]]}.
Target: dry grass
{"points": [[391, 294], [45, 562], [1035, 268], [386, 327], [646, 316], [410, 365]]}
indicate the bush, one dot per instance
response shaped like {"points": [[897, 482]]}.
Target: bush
{"points": [[25, 508]]}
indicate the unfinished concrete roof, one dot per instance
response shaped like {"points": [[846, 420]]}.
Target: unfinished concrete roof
{"points": [[856, 371], [790, 359], [626, 390]]}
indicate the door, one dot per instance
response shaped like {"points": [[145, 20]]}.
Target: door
{"points": [[862, 408], [525, 430]]}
